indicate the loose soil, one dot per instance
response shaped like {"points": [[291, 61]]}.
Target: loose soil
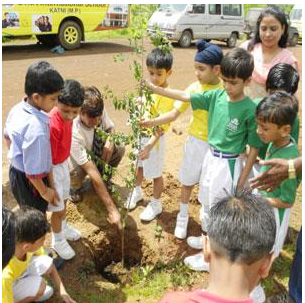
{"points": [[98, 253]]}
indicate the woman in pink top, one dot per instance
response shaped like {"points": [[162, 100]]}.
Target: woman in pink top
{"points": [[268, 47]]}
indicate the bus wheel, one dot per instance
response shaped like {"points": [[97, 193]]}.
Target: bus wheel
{"points": [[70, 35], [48, 40]]}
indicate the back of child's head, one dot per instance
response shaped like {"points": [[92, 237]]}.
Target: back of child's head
{"points": [[8, 235], [159, 58], [31, 225], [242, 228], [283, 76], [237, 63], [72, 94], [93, 105], [208, 53], [42, 78], [279, 108]]}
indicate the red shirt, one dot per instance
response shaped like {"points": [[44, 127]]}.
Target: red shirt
{"points": [[198, 296], [60, 137]]}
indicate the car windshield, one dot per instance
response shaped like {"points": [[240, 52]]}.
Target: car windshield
{"points": [[172, 7], [296, 14]]}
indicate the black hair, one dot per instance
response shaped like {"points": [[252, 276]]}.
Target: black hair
{"points": [[42, 78], [72, 94], [237, 63], [8, 235], [242, 228], [158, 58], [93, 105], [279, 108], [278, 14], [31, 224], [283, 76]]}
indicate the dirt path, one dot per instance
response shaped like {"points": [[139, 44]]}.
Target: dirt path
{"points": [[93, 64]]}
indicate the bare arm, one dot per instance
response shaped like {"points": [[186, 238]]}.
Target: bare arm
{"points": [[102, 192], [162, 119], [45, 192], [275, 175], [278, 203], [170, 93], [253, 152], [144, 153], [53, 273]]}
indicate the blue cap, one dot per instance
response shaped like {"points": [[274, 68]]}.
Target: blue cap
{"points": [[208, 53]]}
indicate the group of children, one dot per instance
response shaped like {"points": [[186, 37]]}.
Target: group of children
{"points": [[227, 132]]}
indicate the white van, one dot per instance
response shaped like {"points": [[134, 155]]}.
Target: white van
{"points": [[296, 18], [187, 22]]}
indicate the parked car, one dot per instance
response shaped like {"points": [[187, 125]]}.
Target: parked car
{"points": [[187, 22], [250, 23], [296, 18]]}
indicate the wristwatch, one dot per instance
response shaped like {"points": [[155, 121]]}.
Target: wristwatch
{"points": [[291, 170]]}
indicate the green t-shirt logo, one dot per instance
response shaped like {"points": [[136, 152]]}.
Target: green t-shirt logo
{"points": [[233, 125]]}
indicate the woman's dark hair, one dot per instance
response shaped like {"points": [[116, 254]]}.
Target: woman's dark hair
{"points": [[278, 14]]}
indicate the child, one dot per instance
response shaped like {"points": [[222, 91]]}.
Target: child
{"points": [[22, 277], [275, 116], [241, 233], [92, 115], [231, 126], [27, 135], [207, 67], [8, 235], [61, 120], [151, 158], [285, 77]]}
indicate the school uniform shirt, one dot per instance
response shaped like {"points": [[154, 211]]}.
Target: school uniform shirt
{"points": [[294, 133], [198, 127], [28, 130], [161, 105], [231, 125], [82, 140], [288, 188], [198, 296], [60, 137], [13, 270]]}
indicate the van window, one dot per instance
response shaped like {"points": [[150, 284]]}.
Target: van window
{"points": [[198, 8], [214, 9], [232, 9]]}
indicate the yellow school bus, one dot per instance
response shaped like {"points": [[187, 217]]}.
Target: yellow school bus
{"points": [[64, 24]]}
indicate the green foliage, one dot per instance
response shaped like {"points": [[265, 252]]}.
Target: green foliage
{"points": [[182, 275], [159, 40], [158, 232]]}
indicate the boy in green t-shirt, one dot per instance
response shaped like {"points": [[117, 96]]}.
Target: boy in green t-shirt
{"points": [[207, 68], [281, 77], [231, 126], [275, 116]]}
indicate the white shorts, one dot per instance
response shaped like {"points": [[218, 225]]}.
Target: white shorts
{"points": [[28, 284], [61, 176], [219, 178], [152, 167], [281, 230], [195, 151]]}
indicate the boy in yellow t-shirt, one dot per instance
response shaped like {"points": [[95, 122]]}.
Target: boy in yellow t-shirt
{"points": [[22, 277], [151, 156], [207, 66]]}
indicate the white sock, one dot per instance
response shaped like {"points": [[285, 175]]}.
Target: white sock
{"points": [[184, 209], [63, 224], [57, 236], [138, 189], [153, 199]]}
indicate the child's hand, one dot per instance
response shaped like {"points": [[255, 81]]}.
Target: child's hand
{"points": [[51, 196], [144, 154], [114, 217], [107, 151], [147, 84], [146, 123], [67, 298]]}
